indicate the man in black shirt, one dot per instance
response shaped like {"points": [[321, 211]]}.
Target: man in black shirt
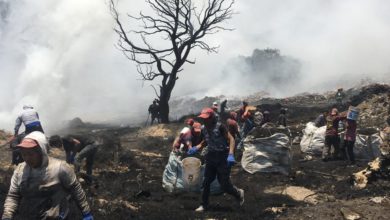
{"points": [[219, 157]]}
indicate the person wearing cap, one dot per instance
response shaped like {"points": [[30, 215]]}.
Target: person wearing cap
{"points": [[232, 125], [30, 118], [79, 147], [42, 186], [332, 136], [321, 120], [188, 138], [218, 159], [340, 96]]}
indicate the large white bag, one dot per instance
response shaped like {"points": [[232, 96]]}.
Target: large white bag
{"points": [[313, 139], [269, 154]]}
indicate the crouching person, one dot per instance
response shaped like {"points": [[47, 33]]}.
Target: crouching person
{"points": [[78, 148], [42, 186], [189, 141], [218, 158]]}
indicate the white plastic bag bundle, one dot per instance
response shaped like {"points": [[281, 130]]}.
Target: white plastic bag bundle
{"points": [[313, 139], [268, 154]]}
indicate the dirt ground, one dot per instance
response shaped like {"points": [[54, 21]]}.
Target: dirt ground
{"points": [[133, 159], [142, 159]]}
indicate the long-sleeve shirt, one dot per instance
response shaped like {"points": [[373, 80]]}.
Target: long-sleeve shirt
{"points": [[28, 116], [350, 133], [42, 193], [332, 124]]}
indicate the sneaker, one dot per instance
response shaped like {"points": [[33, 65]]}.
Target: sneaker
{"points": [[200, 209], [241, 200]]}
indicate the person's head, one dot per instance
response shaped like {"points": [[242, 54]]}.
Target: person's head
{"points": [[27, 107], [208, 117], [244, 103], [33, 149], [55, 141], [233, 115], [334, 112], [68, 142], [190, 121], [283, 111], [154, 102], [215, 106], [196, 128]]}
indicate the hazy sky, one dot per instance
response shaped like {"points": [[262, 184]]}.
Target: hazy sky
{"points": [[60, 57]]}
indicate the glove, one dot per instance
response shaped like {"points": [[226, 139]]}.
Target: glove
{"points": [[192, 151], [88, 216], [230, 160]]}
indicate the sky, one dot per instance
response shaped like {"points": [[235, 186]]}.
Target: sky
{"points": [[60, 56]]}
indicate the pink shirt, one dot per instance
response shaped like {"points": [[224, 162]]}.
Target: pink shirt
{"points": [[350, 133]]}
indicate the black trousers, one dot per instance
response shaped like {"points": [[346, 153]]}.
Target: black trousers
{"points": [[216, 166], [348, 146], [88, 153], [329, 142]]}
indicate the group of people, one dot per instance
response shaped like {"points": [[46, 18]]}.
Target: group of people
{"points": [[214, 136], [43, 185], [154, 112], [333, 120]]}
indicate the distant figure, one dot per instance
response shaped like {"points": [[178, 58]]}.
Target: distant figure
{"points": [[154, 111], [30, 118], [223, 106], [340, 96], [266, 118], [282, 120], [223, 111], [321, 120]]}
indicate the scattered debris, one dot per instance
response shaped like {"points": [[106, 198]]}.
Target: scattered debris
{"points": [[301, 194], [378, 199], [348, 214]]}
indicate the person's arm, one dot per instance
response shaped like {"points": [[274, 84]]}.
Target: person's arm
{"points": [[230, 139], [200, 145], [69, 181], [176, 144], [12, 200], [18, 123]]}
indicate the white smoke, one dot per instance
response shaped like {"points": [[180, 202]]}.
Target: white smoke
{"points": [[60, 57]]}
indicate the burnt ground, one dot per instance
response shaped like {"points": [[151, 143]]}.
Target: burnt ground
{"points": [[115, 195], [133, 159]]}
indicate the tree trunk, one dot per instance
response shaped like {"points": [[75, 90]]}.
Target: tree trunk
{"points": [[164, 105], [164, 110]]}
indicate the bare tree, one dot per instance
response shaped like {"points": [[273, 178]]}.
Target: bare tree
{"points": [[183, 25]]}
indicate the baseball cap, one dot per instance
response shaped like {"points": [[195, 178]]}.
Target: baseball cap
{"points": [[190, 121], [28, 143], [206, 113]]}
